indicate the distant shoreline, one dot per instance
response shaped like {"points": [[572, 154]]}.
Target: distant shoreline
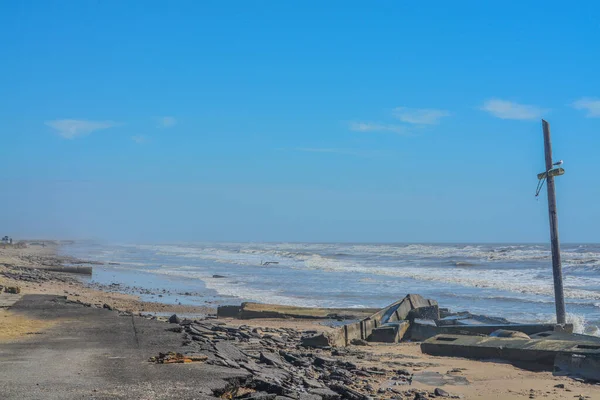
{"points": [[28, 268]]}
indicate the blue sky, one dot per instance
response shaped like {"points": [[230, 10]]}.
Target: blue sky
{"points": [[297, 121]]}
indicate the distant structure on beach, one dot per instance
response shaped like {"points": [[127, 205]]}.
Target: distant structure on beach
{"points": [[6, 240]]}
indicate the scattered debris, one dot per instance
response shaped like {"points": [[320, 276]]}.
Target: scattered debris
{"points": [[177, 358], [12, 289]]}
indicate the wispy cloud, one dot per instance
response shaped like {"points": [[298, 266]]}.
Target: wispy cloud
{"points": [[591, 106], [72, 128], [139, 139], [510, 110], [420, 116], [376, 127], [167, 122]]}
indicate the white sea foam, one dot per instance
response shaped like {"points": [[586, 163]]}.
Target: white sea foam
{"points": [[250, 253], [234, 288], [580, 324], [418, 266]]}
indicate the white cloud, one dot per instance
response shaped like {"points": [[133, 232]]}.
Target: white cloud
{"points": [[72, 128], [167, 122], [420, 116], [591, 106], [510, 110], [375, 127], [139, 139]]}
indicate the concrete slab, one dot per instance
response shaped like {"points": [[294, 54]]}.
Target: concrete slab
{"points": [[538, 351], [392, 332], [249, 310], [576, 365], [95, 353], [421, 330], [558, 335]]}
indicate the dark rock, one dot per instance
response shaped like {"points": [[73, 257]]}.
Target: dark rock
{"points": [[257, 396], [322, 361], [271, 359], [230, 351], [319, 341], [359, 342], [268, 384], [107, 307], [312, 383], [219, 276], [441, 393], [294, 360], [348, 393], [326, 394], [174, 319], [560, 386]]}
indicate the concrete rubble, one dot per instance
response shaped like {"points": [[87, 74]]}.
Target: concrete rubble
{"points": [[414, 318], [280, 366]]}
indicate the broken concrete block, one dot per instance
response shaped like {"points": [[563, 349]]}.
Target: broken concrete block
{"points": [[516, 350], [559, 335], [421, 329], [395, 312], [391, 332], [429, 312], [228, 312], [577, 365], [323, 339]]}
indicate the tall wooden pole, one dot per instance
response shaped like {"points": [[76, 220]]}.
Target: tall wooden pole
{"points": [[559, 297]]}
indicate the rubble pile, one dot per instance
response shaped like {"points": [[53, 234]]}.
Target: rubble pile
{"points": [[282, 366]]}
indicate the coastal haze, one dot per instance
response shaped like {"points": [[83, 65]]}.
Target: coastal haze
{"points": [[508, 280]]}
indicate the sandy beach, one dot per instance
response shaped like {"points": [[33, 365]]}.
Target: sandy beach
{"points": [[26, 268], [19, 261]]}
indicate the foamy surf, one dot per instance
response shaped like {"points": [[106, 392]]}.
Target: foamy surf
{"points": [[514, 281]]}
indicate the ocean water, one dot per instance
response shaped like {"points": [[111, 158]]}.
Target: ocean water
{"points": [[511, 281]]}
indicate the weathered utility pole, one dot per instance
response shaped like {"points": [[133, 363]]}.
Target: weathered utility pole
{"points": [[559, 297]]}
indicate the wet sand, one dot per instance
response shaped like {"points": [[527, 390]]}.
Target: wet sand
{"points": [[18, 261]]}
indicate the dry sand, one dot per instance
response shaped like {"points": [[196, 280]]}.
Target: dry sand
{"points": [[486, 380], [15, 326]]}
